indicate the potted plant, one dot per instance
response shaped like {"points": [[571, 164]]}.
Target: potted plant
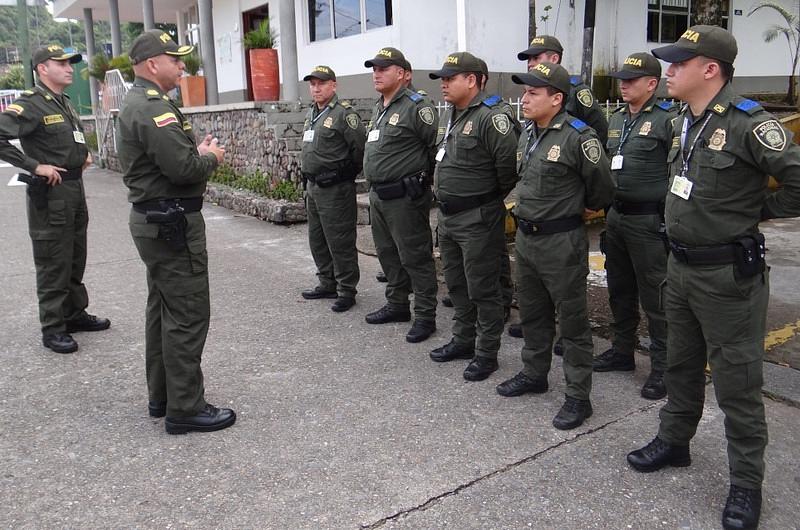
{"points": [[193, 86], [264, 76]]}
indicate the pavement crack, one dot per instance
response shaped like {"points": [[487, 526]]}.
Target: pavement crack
{"points": [[508, 467]]}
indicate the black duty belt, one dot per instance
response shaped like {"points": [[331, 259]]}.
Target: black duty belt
{"points": [[554, 226], [327, 178], [462, 204], [71, 174], [193, 204], [638, 208], [714, 255]]}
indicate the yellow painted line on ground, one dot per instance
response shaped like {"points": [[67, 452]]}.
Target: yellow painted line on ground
{"points": [[779, 336], [597, 262]]}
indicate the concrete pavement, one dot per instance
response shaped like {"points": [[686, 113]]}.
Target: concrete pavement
{"points": [[341, 424]]}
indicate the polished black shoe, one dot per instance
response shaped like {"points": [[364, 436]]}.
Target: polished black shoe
{"points": [[654, 387], [613, 360], [480, 368], [420, 330], [318, 292], [558, 347], [343, 303], [447, 301], [209, 419], [381, 277], [60, 342], [452, 351], [385, 315], [572, 413], [659, 454], [157, 409], [522, 384], [742, 510], [87, 322], [515, 330]]}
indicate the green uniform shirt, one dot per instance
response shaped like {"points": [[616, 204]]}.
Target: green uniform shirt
{"points": [[643, 142], [477, 151], [582, 104], [562, 170], [44, 123], [400, 138], [739, 146], [333, 138], [157, 149]]}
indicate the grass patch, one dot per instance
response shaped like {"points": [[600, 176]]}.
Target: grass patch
{"points": [[259, 183]]}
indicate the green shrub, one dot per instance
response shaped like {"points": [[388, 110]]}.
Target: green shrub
{"points": [[192, 62], [14, 79], [261, 37], [259, 183], [123, 64]]}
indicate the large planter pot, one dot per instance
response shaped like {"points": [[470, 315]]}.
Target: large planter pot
{"points": [[193, 90], [264, 78]]}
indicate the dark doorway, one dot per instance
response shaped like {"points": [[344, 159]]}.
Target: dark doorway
{"points": [[251, 20]]}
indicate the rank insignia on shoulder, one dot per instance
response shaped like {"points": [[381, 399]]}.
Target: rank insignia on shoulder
{"points": [[422, 93], [187, 126], [676, 141], [28, 92], [53, 118], [578, 125], [16, 109], [426, 115], [719, 109], [152, 94], [352, 121], [592, 150], [771, 135], [664, 105], [346, 104], [501, 123], [165, 97], [491, 101], [585, 97], [165, 119], [416, 98], [574, 80], [746, 104]]}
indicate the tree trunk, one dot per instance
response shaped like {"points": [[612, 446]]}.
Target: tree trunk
{"points": [[531, 19]]}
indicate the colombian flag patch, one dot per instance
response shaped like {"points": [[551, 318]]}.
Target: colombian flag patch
{"points": [[165, 119]]}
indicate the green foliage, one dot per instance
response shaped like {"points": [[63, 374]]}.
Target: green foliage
{"points": [[98, 67], [258, 183], [91, 141], [123, 64], [192, 62], [14, 79], [791, 31], [261, 37]]}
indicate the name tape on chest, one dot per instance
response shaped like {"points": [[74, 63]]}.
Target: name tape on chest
{"points": [[52, 119]]}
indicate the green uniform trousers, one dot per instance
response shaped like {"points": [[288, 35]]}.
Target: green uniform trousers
{"points": [[58, 233], [470, 244], [506, 283], [401, 230], [551, 277], [636, 264], [177, 315], [332, 236], [716, 317]]}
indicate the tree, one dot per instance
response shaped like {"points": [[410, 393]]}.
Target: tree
{"points": [[14, 79], [707, 12], [792, 33]]}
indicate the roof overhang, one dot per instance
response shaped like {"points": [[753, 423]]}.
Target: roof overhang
{"points": [[129, 10]]}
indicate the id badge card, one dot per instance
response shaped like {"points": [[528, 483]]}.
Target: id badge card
{"points": [[616, 162], [79, 138], [440, 154], [374, 135], [308, 136], [682, 187]]}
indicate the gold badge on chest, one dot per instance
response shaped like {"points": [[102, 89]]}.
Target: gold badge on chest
{"points": [[328, 122], [646, 128], [717, 140], [467, 128], [394, 119], [554, 153]]}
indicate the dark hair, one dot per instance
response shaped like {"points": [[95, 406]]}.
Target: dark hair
{"points": [[726, 69], [552, 91]]}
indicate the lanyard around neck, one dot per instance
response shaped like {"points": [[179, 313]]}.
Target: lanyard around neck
{"points": [[684, 131]]}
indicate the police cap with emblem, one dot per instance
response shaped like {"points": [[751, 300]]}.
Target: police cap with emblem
{"points": [[56, 53], [458, 63], [542, 43], [709, 41], [156, 42], [387, 57], [638, 65], [321, 72], [545, 74]]}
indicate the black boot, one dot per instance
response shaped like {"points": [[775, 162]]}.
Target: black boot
{"points": [[157, 409], [343, 303], [385, 315], [210, 418], [522, 384], [515, 330], [654, 387], [480, 368], [452, 351], [87, 322], [613, 360], [572, 414], [742, 510], [317, 292], [659, 454], [60, 342], [420, 330]]}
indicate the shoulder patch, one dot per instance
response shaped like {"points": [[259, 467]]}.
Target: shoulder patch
{"points": [[152, 94], [585, 97], [501, 123], [426, 115], [665, 105], [771, 135], [491, 101], [577, 124], [16, 109], [28, 92], [747, 105], [187, 126], [422, 93], [575, 80], [352, 120], [346, 104], [165, 119], [416, 98], [592, 150]]}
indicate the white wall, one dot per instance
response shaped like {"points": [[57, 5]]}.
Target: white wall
{"points": [[227, 15], [756, 57], [497, 34]]}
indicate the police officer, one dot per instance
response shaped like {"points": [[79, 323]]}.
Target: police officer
{"points": [[563, 170], [398, 160], [166, 173], [332, 156], [717, 287], [639, 138], [475, 170], [54, 150]]}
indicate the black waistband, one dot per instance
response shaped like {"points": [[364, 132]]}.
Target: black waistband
{"points": [[714, 255], [328, 178], [461, 204], [554, 226], [71, 174], [193, 204], [638, 208]]}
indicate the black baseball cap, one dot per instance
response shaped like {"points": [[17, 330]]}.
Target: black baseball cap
{"points": [[709, 41], [545, 74], [542, 43], [638, 65], [321, 72], [387, 57], [56, 53], [156, 42], [458, 63]]}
